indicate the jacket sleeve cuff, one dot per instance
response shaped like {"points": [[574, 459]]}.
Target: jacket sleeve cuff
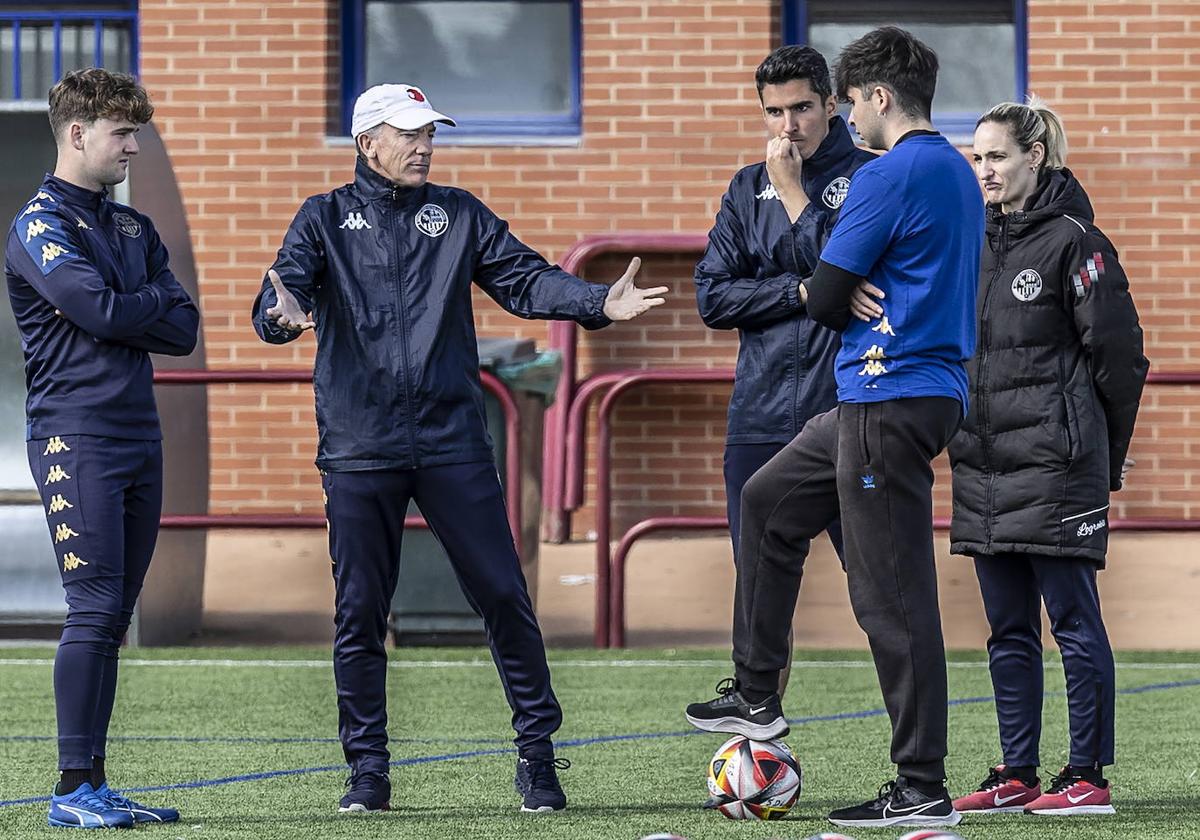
{"points": [[593, 317]]}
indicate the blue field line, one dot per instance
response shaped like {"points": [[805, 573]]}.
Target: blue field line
{"points": [[575, 742], [185, 739]]}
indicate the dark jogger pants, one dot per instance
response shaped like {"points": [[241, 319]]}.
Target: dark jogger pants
{"points": [[103, 498], [1014, 587], [870, 464], [464, 506]]}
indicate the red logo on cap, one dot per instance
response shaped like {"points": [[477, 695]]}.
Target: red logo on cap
{"points": [[413, 93]]}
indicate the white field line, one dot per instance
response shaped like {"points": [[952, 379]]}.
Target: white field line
{"points": [[561, 663]]}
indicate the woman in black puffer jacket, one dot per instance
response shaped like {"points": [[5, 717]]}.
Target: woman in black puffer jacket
{"points": [[1055, 383]]}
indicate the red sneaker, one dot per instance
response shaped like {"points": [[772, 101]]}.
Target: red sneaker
{"points": [[998, 795], [1070, 795]]}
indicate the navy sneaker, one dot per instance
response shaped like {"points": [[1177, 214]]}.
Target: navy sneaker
{"points": [[369, 793], [141, 813], [537, 782], [82, 808], [730, 713]]}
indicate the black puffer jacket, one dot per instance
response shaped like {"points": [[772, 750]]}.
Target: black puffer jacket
{"points": [[1055, 383]]}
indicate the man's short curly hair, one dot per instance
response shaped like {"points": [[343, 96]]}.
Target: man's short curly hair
{"points": [[94, 94]]}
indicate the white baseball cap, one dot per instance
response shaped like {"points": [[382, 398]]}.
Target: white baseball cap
{"points": [[404, 106]]}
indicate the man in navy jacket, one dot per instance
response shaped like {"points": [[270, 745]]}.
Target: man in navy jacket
{"points": [[382, 270], [93, 296], [768, 235]]}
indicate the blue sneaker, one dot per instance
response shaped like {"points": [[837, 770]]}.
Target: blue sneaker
{"points": [[537, 782], [82, 808], [141, 813], [367, 792]]}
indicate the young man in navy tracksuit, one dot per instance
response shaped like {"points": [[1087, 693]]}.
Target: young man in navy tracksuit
{"points": [[93, 296], [912, 228], [385, 266], [768, 235]]}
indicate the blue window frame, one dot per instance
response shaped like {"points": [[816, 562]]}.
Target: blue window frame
{"points": [[982, 46], [38, 45], [504, 69]]}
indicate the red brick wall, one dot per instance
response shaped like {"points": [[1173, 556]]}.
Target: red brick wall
{"points": [[244, 95]]}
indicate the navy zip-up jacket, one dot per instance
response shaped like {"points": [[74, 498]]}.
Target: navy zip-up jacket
{"points": [[748, 278], [102, 266], [387, 273]]}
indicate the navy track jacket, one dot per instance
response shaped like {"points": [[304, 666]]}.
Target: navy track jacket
{"points": [[387, 273], [102, 266], [747, 280]]}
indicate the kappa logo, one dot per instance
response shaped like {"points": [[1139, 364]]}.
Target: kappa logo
{"points": [[432, 221], [1027, 285], [63, 533], [56, 474], [127, 225], [768, 194], [56, 445], [32, 208], [81, 223], [36, 228], [44, 196], [71, 562], [355, 221], [52, 251], [1086, 529], [874, 361], [58, 504], [884, 327], [835, 193]]}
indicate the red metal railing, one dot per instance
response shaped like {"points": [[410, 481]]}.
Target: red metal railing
{"points": [[610, 568], [563, 337], [512, 462]]}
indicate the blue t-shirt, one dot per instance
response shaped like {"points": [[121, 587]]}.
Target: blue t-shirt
{"points": [[912, 224]]}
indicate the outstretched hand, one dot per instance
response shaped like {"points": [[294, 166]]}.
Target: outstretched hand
{"points": [[287, 312], [626, 301]]}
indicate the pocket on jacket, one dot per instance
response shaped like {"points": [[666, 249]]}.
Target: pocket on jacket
{"points": [[1071, 425]]}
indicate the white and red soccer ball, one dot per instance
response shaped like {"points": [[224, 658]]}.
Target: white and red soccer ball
{"points": [[754, 780]]}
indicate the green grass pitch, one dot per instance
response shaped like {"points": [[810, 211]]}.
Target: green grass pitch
{"points": [[226, 726]]}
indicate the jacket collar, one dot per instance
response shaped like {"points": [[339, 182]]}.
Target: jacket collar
{"points": [[836, 147], [372, 186], [76, 195]]}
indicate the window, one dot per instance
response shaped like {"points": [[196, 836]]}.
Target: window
{"points": [[40, 42], [981, 46], [501, 68]]}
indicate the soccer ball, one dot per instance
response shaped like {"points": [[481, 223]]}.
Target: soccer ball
{"points": [[754, 780]]}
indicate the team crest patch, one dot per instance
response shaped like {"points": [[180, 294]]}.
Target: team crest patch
{"points": [[128, 225], [432, 220], [835, 193], [1027, 285]]}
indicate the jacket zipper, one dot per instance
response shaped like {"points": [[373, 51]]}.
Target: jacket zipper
{"points": [[985, 339], [397, 231]]}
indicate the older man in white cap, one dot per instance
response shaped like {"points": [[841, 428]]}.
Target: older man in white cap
{"points": [[381, 269]]}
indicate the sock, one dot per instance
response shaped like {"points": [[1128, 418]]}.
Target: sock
{"points": [[98, 777], [71, 780], [1092, 775], [754, 697], [926, 787], [1025, 774]]}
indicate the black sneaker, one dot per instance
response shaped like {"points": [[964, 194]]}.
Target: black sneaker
{"points": [[537, 782], [899, 804], [730, 712], [369, 793]]}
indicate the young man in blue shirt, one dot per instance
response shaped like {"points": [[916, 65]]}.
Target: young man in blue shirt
{"points": [[911, 226], [93, 296]]}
